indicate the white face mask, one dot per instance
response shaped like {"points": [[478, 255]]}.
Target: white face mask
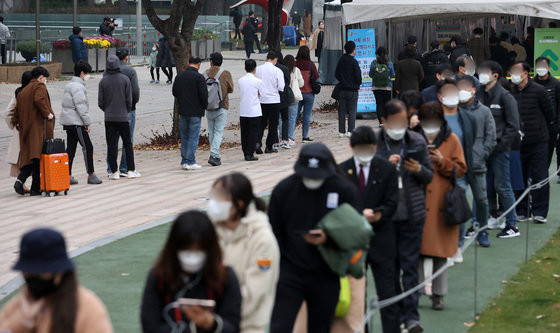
{"points": [[484, 79], [516, 79], [542, 71], [431, 131], [470, 72], [313, 183], [395, 134], [365, 159], [191, 261], [450, 101], [465, 95], [87, 77], [154, 49], [218, 211]]}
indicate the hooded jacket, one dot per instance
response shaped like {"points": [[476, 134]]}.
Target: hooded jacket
{"points": [[484, 136], [252, 252], [79, 51], [133, 77], [115, 92], [75, 105]]}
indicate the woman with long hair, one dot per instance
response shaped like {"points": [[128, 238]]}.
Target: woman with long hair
{"points": [[51, 300], [190, 267], [308, 69], [382, 73], [249, 246], [296, 83]]}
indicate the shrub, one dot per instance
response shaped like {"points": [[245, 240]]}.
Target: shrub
{"points": [[30, 46]]}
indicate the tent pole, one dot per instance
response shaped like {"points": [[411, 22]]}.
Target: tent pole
{"points": [[390, 38]]}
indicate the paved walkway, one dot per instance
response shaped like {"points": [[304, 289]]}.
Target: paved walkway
{"points": [[90, 213]]}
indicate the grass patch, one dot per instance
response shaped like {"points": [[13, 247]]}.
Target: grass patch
{"points": [[530, 301]]}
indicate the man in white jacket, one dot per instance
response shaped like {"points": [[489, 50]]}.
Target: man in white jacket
{"points": [[249, 247]]}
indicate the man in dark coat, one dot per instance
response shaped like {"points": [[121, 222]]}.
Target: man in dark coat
{"points": [[249, 32], [408, 72], [77, 45], [460, 48], [237, 18], [191, 92], [165, 59], [107, 27], [255, 22], [376, 178], [431, 61], [33, 111]]}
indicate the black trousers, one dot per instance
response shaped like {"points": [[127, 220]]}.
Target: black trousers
{"points": [[249, 132], [157, 72], [111, 130], [3, 53], [256, 38], [285, 123], [248, 46], [237, 32], [408, 236], [75, 134], [534, 161], [381, 97], [168, 72], [270, 117], [319, 289], [554, 144], [33, 170]]}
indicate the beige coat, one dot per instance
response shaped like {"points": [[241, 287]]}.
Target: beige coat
{"points": [[315, 38], [13, 150], [91, 316], [252, 251]]}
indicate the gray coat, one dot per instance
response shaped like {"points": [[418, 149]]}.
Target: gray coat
{"points": [[133, 77], [75, 105], [484, 136], [115, 93]]}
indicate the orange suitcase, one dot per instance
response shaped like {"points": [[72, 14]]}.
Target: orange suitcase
{"points": [[55, 174]]}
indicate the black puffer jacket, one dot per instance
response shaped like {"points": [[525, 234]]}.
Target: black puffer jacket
{"points": [[414, 184], [552, 86], [535, 112], [430, 63], [504, 110]]}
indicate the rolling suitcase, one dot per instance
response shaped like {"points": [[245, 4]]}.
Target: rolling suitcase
{"points": [[55, 170]]}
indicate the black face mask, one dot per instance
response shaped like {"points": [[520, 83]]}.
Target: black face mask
{"points": [[39, 288]]}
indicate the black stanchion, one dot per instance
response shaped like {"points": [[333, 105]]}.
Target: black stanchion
{"points": [[527, 222], [475, 274]]}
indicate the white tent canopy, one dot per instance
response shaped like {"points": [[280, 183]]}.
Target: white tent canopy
{"points": [[370, 10]]}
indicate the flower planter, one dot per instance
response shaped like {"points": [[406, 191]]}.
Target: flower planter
{"points": [[194, 48], [12, 73], [65, 58]]}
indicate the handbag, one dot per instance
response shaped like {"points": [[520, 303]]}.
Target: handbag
{"points": [[336, 93], [52, 146], [457, 209], [315, 86]]}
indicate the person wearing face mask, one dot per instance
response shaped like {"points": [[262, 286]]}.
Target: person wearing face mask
{"points": [[444, 71], [465, 66], [460, 48], [395, 142], [297, 205], [552, 86], [501, 162], [76, 120], [33, 111], [153, 64], [439, 240], [249, 247], [376, 178], [190, 265], [539, 119], [51, 299]]}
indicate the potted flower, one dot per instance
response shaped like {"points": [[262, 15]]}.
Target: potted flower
{"points": [[28, 49]]}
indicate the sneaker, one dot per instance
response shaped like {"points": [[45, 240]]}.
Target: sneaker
{"points": [[152, 81], [458, 257], [251, 158], [115, 176], [285, 145], [348, 134], [307, 139], [341, 135], [93, 179], [291, 143], [131, 174], [73, 181], [437, 302], [469, 233], [18, 186], [539, 219], [509, 231], [493, 223], [258, 150], [214, 161], [191, 166], [413, 326], [483, 239], [157, 81], [271, 150], [521, 218]]}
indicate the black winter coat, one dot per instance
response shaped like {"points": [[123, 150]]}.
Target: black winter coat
{"points": [[348, 73], [158, 295], [430, 63], [536, 113], [552, 86], [190, 90], [459, 50]]}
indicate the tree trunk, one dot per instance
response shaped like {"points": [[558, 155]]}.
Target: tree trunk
{"points": [[274, 24], [179, 43]]}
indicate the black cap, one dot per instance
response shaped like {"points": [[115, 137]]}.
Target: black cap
{"points": [[315, 161], [122, 53], [43, 251]]}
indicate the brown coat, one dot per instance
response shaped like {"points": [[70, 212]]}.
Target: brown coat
{"points": [[439, 239], [32, 108], [226, 83], [13, 150], [91, 316], [307, 25]]}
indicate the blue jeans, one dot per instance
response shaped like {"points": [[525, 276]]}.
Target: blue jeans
{"points": [[123, 168], [462, 182], [190, 133], [498, 163], [216, 123], [292, 114], [307, 104]]}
